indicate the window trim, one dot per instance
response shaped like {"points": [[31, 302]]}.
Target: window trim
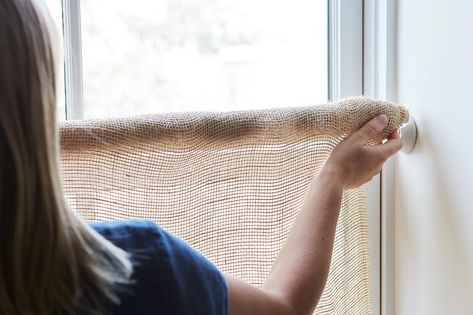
{"points": [[379, 82], [345, 48], [347, 77], [387, 89], [71, 15]]}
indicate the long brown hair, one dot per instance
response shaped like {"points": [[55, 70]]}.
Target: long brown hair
{"points": [[51, 262]]}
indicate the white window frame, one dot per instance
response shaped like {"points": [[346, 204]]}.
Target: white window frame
{"points": [[380, 82], [355, 67], [345, 49], [347, 57], [73, 75]]}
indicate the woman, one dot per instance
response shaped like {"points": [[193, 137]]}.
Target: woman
{"points": [[51, 262]]}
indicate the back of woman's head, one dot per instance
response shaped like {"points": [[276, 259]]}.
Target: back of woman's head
{"points": [[50, 261]]}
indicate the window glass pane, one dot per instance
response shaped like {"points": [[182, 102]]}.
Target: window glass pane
{"points": [[181, 55], [55, 8]]}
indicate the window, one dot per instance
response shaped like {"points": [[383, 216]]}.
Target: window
{"points": [[176, 55], [127, 58]]}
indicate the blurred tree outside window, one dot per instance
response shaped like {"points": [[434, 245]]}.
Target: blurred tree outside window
{"points": [[144, 56]]}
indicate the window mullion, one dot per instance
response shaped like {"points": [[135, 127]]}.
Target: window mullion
{"points": [[345, 42], [346, 78], [73, 59]]}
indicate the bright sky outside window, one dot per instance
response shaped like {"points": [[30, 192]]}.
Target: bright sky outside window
{"points": [[178, 55]]}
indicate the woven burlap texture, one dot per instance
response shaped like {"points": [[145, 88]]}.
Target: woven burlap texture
{"points": [[229, 183]]}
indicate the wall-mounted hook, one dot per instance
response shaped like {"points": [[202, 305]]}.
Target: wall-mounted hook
{"points": [[409, 135]]}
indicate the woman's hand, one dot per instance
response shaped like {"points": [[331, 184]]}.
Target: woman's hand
{"points": [[353, 162]]}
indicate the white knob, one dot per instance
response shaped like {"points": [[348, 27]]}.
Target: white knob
{"points": [[409, 135]]}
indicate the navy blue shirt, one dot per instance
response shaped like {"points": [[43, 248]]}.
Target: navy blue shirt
{"points": [[169, 277]]}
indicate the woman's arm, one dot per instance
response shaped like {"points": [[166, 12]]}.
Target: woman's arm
{"points": [[298, 276]]}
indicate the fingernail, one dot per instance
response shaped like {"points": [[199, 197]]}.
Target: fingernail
{"points": [[383, 119]]}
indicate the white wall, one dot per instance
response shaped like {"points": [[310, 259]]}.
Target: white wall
{"points": [[434, 184]]}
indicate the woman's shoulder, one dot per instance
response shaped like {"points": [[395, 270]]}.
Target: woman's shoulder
{"points": [[123, 228], [140, 237], [129, 232], [168, 273]]}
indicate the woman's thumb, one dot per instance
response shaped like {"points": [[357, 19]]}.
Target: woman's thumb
{"points": [[370, 129]]}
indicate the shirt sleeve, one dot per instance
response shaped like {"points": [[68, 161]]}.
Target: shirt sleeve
{"points": [[169, 276]]}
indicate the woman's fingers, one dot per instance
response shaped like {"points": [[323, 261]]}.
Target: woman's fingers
{"points": [[394, 135], [390, 147]]}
